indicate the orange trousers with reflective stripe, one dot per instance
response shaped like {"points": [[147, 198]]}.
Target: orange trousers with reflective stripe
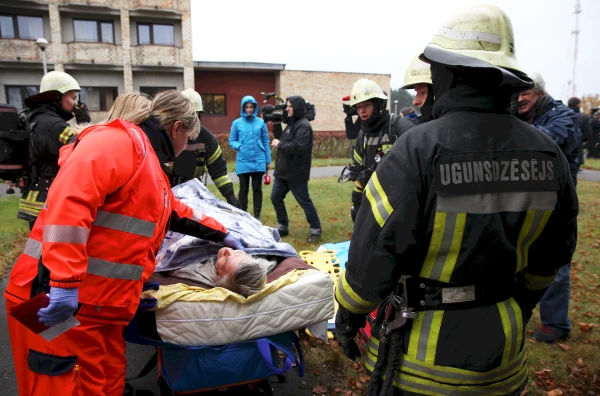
{"points": [[99, 369]]}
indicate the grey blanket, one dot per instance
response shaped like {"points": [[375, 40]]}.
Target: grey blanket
{"points": [[179, 250]]}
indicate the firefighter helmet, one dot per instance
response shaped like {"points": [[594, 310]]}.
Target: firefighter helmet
{"points": [[53, 85], [195, 98], [418, 72], [364, 90]]}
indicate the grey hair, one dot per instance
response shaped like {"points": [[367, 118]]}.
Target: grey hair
{"points": [[249, 279], [538, 80]]}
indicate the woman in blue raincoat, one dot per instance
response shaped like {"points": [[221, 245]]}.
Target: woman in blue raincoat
{"points": [[250, 138]]}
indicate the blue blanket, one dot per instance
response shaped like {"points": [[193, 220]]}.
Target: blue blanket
{"points": [[179, 250]]}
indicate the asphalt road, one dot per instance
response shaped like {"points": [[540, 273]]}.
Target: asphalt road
{"points": [[138, 355]]}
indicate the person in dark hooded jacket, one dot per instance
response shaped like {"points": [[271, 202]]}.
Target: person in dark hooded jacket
{"points": [[292, 167], [583, 122], [418, 77]]}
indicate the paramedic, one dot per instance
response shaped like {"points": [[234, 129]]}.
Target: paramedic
{"points": [[479, 208], [94, 247]]}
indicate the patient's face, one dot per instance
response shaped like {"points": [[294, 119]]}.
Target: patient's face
{"points": [[228, 260]]}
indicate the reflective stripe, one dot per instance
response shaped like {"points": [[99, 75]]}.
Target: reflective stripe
{"points": [[451, 375], [65, 135], [356, 189], [215, 156], [141, 141], [112, 270], [45, 206], [535, 282], [444, 248], [424, 336], [350, 300], [379, 201], [512, 323], [534, 223], [357, 157], [33, 248], [457, 35], [124, 223], [221, 181], [374, 140], [498, 202], [65, 234], [192, 147]]}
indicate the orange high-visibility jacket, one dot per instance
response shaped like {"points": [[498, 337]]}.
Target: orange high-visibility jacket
{"points": [[105, 218]]}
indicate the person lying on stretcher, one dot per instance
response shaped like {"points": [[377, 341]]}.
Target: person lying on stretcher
{"points": [[234, 270]]}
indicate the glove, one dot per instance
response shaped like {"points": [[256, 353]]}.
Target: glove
{"points": [[147, 303], [231, 241], [82, 115], [233, 201], [63, 304], [150, 286], [349, 110], [346, 328]]}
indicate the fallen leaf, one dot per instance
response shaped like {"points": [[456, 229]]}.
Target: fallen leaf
{"points": [[525, 391], [364, 379], [580, 362], [555, 392], [318, 389], [316, 371], [564, 347], [532, 341]]}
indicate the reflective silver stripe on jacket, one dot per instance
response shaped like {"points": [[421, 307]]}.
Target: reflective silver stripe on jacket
{"points": [[65, 234], [498, 202], [124, 223], [33, 248], [112, 270]]}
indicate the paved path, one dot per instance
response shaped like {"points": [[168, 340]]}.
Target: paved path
{"points": [[138, 355]]}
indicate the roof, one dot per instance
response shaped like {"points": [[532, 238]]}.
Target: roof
{"points": [[208, 65]]}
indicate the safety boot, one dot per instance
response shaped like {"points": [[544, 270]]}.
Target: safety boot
{"points": [[283, 230], [315, 235]]}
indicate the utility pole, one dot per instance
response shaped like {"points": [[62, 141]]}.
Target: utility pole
{"points": [[576, 33]]}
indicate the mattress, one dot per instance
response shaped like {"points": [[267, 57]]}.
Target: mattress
{"points": [[305, 302]]}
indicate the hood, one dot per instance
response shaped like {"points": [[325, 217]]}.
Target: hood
{"points": [[160, 141], [248, 99], [299, 106]]}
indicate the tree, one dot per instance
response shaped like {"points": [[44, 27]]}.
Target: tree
{"points": [[588, 102], [404, 99]]}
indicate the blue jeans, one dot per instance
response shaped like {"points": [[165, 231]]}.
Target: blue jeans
{"points": [[554, 306], [300, 191]]}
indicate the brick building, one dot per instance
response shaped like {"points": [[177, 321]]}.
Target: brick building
{"points": [[117, 46], [109, 46]]}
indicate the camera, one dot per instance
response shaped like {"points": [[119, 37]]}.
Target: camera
{"points": [[273, 113]]}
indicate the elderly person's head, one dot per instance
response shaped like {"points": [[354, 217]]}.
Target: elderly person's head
{"points": [[240, 272], [528, 99]]}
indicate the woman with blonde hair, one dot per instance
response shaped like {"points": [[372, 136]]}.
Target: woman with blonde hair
{"points": [[94, 246]]}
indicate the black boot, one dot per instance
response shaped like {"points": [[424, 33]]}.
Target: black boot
{"points": [[315, 235], [283, 230]]}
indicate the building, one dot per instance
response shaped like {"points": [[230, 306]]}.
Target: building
{"points": [[109, 46]]}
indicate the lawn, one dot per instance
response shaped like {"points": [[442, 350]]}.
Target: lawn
{"points": [[316, 162], [592, 164], [571, 367]]}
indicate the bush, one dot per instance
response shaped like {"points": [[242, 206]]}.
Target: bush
{"points": [[333, 144]]}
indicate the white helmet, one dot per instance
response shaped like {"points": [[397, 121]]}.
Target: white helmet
{"points": [[364, 90], [195, 98], [418, 72], [58, 81]]}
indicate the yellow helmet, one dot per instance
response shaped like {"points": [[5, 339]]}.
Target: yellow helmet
{"points": [[365, 89], [58, 81], [482, 33], [418, 72], [195, 98]]}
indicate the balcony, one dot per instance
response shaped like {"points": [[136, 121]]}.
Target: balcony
{"points": [[174, 5], [156, 55], [93, 53], [15, 50], [101, 3]]}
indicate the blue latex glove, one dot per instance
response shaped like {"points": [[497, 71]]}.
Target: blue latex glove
{"points": [[150, 286], [63, 304], [231, 241], [147, 303]]}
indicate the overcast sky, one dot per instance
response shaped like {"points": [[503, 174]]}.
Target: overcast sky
{"points": [[382, 36]]}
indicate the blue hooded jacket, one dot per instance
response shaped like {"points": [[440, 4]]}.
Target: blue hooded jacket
{"points": [[250, 138]]}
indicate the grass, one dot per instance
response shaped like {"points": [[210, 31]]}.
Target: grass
{"points": [[13, 233], [316, 162], [592, 164]]}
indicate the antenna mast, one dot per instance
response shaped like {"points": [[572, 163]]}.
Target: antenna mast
{"points": [[576, 33]]}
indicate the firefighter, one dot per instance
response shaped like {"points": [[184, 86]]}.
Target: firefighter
{"points": [[418, 77], [94, 246], [466, 222], [202, 157], [50, 109], [379, 130]]}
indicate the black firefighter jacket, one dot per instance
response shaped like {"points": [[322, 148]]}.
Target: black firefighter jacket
{"points": [[480, 209]]}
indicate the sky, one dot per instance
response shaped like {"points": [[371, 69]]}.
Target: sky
{"points": [[382, 36]]}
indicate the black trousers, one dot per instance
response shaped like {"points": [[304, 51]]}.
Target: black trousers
{"points": [[257, 195]]}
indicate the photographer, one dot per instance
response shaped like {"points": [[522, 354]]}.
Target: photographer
{"points": [[292, 167]]}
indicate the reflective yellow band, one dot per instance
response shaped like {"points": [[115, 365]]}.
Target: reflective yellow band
{"points": [[386, 147], [444, 248], [65, 135], [512, 324], [65, 234], [424, 336], [380, 204], [221, 181], [356, 189], [357, 157], [534, 282], [350, 300], [534, 223], [215, 156]]}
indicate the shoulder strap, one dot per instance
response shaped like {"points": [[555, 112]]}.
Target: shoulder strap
{"points": [[392, 127]]}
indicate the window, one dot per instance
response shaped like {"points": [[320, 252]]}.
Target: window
{"points": [[23, 27], [98, 98], [152, 91], [151, 33], [214, 104], [16, 94], [93, 31]]}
